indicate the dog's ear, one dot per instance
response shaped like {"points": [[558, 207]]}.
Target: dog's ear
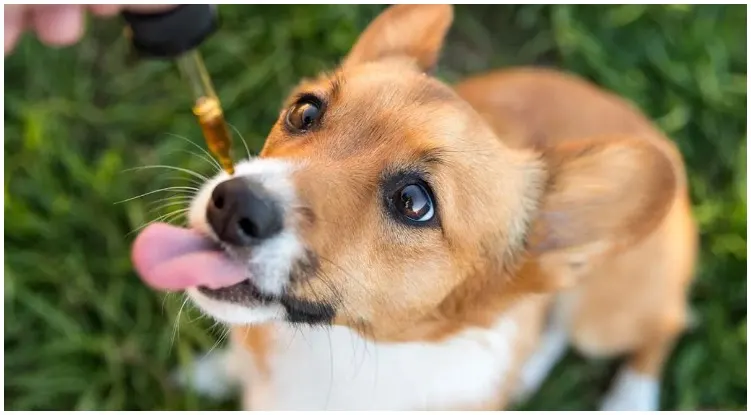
{"points": [[414, 31], [601, 192]]}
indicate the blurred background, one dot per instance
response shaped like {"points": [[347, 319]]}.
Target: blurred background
{"points": [[81, 331]]}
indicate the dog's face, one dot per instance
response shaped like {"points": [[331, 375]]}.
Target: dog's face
{"points": [[380, 200]]}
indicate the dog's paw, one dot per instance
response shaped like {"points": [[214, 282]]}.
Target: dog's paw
{"points": [[208, 376], [632, 392]]}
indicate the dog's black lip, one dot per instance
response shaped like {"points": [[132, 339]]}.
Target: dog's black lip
{"points": [[298, 310], [246, 284]]}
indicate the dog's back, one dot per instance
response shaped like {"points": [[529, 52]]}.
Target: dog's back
{"points": [[633, 301]]}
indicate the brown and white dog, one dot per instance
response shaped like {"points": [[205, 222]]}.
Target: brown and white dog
{"points": [[400, 244]]}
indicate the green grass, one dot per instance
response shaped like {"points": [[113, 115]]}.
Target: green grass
{"points": [[81, 331]]}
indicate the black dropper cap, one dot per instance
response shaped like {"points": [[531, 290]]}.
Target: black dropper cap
{"points": [[173, 32]]}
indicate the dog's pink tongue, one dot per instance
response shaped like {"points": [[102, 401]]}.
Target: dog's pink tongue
{"points": [[171, 258]]}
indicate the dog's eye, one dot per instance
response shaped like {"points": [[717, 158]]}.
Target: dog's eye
{"points": [[303, 114], [414, 203]]}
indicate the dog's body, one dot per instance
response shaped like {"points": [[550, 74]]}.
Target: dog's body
{"points": [[564, 218]]}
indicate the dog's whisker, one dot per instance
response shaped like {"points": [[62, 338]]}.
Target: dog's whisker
{"points": [[173, 178], [247, 150], [164, 166], [211, 162], [187, 180], [176, 326], [174, 212], [171, 198], [204, 151], [164, 300], [164, 217], [177, 189], [166, 205], [220, 340], [179, 216], [201, 314]]}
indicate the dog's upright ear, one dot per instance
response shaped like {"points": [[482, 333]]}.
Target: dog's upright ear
{"points": [[601, 192], [409, 31]]}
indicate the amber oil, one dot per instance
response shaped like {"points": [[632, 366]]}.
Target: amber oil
{"points": [[208, 109]]}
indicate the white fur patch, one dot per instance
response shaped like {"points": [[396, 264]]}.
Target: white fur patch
{"points": [[230, 313], [632, 391], [316, 368], [272, 262]]}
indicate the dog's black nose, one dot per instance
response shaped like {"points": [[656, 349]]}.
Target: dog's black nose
{"points": [[241, 212]]}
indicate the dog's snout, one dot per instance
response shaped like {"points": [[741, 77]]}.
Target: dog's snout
{"points": [[241, 212]]}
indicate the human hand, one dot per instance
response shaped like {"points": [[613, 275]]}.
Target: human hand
{"points": [[60, 24]]}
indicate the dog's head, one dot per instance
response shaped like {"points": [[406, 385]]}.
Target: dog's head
{"points": [[383, 202]]}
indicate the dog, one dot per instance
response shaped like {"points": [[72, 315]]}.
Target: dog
{"points": [[403, 244]]}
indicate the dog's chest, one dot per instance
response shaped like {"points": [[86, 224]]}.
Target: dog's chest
{"points": [[335, 369]]}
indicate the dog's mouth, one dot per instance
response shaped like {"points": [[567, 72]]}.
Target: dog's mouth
{"points": [[243, 293], [169, 258]]}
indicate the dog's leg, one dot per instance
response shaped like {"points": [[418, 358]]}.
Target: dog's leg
{"points": [[216, 374], [552, 346], [637, 385]]}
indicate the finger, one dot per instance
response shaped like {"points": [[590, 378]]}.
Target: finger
{"points": [[109, 10], [59, 25], [149, 8], [105, 10], [14, 25]]}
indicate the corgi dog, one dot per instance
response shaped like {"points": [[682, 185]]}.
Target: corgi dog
{"points": [[403, 244]]}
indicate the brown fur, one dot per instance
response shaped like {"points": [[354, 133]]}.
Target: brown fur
{"points": [[543, 183], [258, 341], [633, 296]]}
